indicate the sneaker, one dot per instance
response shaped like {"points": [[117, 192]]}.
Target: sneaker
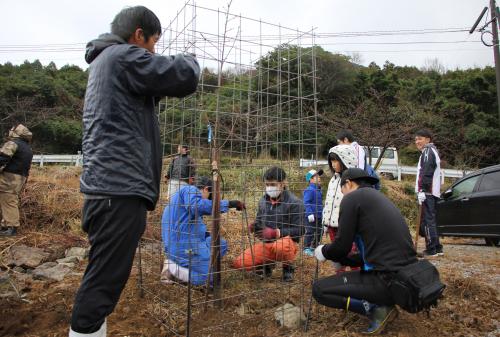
{"points": [[379, 318], [309, 251], [439, 251], [10, 231], [428, 254]]}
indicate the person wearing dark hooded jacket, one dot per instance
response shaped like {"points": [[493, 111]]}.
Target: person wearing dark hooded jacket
{"points": [[15, 163], [122, 156]]}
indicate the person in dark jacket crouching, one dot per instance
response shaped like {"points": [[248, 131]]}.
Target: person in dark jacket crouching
{"points": [[279, 224], [122, 156], [378, 229]]}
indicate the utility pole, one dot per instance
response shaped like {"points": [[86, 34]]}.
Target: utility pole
{"points": [[496, 53]]}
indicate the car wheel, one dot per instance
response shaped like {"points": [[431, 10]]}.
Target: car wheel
{"points": [[492, 241]]}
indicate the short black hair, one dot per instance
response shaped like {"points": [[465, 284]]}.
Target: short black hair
{"points": [[424, 133], [274, 173], [129, 19], [345, 134], [204, 181]]}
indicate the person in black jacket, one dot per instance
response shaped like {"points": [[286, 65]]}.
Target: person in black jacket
{"points": [[384, 244], [122, 156], [15, 163], [279, 224], [428, 190], [181, 171]]}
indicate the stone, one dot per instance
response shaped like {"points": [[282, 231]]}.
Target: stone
{"points": [[51, 271], [69, 259], [290, 316], [26, 257], [68, 264], [78, 252]]}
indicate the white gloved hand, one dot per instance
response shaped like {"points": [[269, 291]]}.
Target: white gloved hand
{"points": [[421, 197], [310, 217], [318, 254]]}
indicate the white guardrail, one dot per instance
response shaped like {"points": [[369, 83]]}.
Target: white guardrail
{"points": [[71, 159], [395, 170]]}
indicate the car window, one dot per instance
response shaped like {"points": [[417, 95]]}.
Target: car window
{"points": [[464, 187], [389, 153], [491, 181]]}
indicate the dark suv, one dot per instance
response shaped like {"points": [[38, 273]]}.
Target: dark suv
{"points": [[471, 206]]}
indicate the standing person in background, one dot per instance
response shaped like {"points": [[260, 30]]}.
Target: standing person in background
{"points": [[313, 206], [340, 158], [428, 189], [122, 157], [345, 137], [15, 163], [181, 171]]}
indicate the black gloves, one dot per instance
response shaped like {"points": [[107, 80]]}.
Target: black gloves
{"points": [[237, 204]]}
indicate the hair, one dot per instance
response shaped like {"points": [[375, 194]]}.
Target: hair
{"points": [[345, 134], [130, 19], [202, 182], [274, 173], [424, 133], [333, 156]]}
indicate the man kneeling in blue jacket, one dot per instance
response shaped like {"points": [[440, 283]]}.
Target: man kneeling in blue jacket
{"points": [[183, 230]]}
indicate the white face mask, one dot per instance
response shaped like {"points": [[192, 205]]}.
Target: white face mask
{"points": [[273, 191]]}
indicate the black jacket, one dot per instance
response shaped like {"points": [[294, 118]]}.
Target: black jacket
{"points": [[182, 167], [287, 215], [121, 137], [20, 162], [377, 227]]}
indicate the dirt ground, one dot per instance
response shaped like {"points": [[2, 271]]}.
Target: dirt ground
{"points": [[470, 307]]}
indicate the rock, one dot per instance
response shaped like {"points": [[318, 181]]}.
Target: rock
{"points": [[290, 316], [51, 271], [69, 259], [26, 257], [68, 264], [78, 252]]}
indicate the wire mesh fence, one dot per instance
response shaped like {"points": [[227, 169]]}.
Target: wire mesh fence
{"points": [[255, 108]]}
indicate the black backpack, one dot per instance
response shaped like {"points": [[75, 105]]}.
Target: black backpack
{"points": [[416, 287]]}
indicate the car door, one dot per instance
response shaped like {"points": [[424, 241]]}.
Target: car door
{"points": [[453, 216], [484, 206]]}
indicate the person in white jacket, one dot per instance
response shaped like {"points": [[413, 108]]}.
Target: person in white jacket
{"points": [[340, 158]]}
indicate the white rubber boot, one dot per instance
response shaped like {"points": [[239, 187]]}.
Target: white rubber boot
{"points": [[99, 333]]}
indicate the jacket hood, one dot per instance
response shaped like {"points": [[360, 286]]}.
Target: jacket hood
{"points": [[95, 47], [430, 146], [346, 154], [20, 131]]}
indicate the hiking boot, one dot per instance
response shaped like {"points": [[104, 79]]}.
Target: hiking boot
{"points": [[379, 318], [10, 231], [288, 272], [309, 251]]}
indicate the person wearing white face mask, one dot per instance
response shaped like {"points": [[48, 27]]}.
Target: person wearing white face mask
{"points": [[279, 224]]}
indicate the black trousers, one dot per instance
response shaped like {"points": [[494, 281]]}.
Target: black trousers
{"points": [[114, 227], [333, 291], [312, 238], [429, 224]]}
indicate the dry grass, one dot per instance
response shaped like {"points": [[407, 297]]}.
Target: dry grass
{"points": [[51, 200]]}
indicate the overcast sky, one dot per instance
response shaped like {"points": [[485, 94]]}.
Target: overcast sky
{"points": [[63, 27]]}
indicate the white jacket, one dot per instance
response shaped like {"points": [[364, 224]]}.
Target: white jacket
{"points": [[334, 195]]}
